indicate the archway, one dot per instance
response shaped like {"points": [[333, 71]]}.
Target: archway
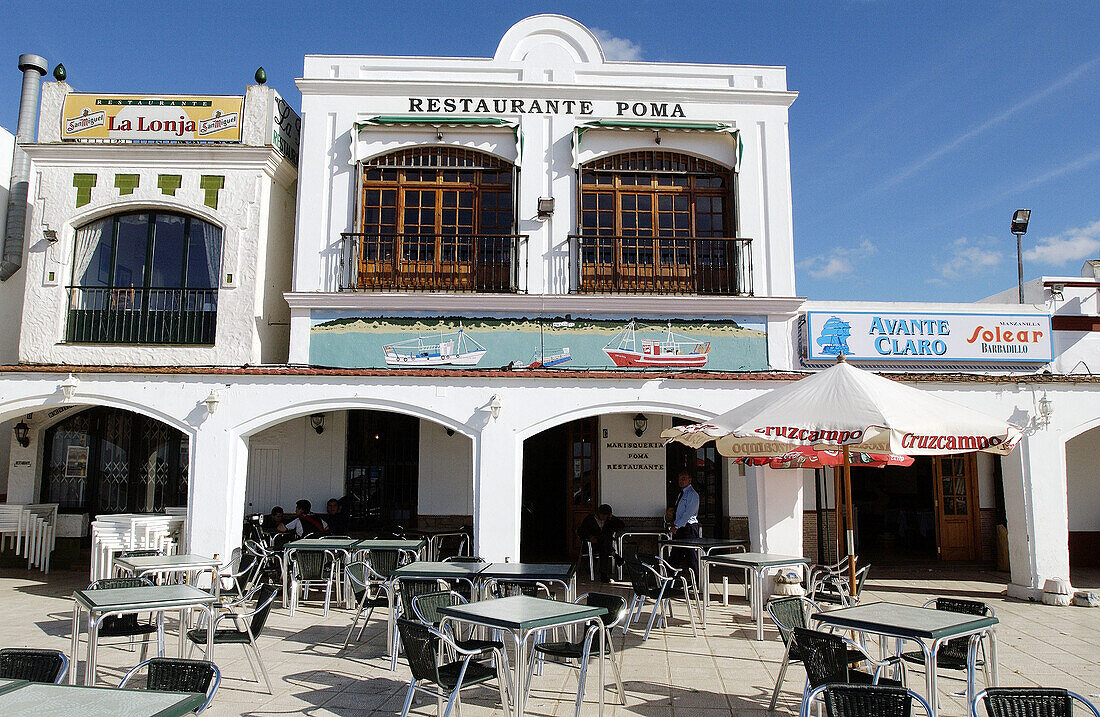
{"points": [[1082, 455]]}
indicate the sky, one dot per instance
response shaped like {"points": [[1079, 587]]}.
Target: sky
{"points": [[919, 126]]}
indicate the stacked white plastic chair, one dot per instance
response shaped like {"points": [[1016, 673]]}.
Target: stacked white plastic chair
{"points": [[113, 534], [41, 534], [11, 526]]}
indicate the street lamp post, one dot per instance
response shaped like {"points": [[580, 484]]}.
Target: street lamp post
{"points": [[1019, 227]]}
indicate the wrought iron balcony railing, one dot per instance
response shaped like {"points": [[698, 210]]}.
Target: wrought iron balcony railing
{"points": [[662, 265], [141, 315], [488, 263]]}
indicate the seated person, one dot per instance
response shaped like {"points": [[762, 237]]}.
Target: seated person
{"points": [[304, 522], [273, 520], [336, 518], [601, 529]]}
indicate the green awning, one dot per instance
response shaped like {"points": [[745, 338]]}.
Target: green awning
{"points": [[438, 121], [659, 126]]}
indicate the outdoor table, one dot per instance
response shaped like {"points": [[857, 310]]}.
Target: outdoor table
{"points": [[342, 547], [756, 564], [619, 541], [7, 685], [702, 546], [190, 566], [927, 627], [35, 698], [564, 574], [119, 601], [523, 616], [435, 540]]}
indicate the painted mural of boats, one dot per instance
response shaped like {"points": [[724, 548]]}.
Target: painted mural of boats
{"points": [[549, 357], [672, 350], [455, 348]]}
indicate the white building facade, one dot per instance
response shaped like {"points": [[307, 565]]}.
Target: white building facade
{"points": [[507, 276]]}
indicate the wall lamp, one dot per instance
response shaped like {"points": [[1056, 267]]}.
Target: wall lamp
{"points": [[545, 207], [22, 434], [494, 406], [50, 235], [212, 402], [640, 424], [68, 387], [1046, 410], [317, 420]]}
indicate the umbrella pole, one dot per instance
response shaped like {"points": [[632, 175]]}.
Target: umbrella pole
{"points": [[838, 487], [849, 532]]}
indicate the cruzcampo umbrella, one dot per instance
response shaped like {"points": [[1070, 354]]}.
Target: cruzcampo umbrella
{"points": [[847, 409], [813, 458]]}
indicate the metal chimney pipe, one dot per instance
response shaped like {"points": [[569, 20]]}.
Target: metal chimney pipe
{"points": [[33, 68]]}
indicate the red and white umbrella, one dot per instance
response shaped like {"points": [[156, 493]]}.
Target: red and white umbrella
{"points": [[850, 410], [812, 458]]}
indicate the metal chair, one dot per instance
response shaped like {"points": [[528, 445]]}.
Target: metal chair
{"points": [[581, 650], [826, 658], [649, 584], [952, 655], [178, 675], [311, 569], [443, 680], [407, 590], [247, 628], [368, 594], [48, 666], [240, 571], [788, 613], [866, 701], [833, 587], [127, 625], [1029, 702]]}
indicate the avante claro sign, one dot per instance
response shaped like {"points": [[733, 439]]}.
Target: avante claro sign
{"points": [[924, 338], [181, 118]]}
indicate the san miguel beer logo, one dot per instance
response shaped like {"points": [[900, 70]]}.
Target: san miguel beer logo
{"points": [[143, 118]]}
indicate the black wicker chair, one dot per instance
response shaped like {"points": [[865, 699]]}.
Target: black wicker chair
{"points": [[866, 701], [1029, 702], [826, 658], [407, 590], [178, 675], [649, 583], [247, 628], [952, 655], [581, 650], [127, 625], [49, 666], [443, 680], [788, 613], [368, 592], [311, 569]]}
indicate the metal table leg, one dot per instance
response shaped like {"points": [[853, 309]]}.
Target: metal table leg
{"points": [[76, 643]]}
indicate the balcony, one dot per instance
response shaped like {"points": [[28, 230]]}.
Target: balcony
{"points": [[719, 266], [141, 316], [483, 263]]}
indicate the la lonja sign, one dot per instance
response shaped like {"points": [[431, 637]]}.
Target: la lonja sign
{"points": [[928, 338], [499, 106]]}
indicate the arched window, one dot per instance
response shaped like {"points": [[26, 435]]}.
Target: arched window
{"points": [[105, 460], [436, 218], [659, 222], [145, 277]]}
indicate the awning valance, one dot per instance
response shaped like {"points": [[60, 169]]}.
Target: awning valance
{"points": [[660, 126], [436, 122]]}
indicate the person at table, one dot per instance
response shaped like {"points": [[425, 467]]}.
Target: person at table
{"points": [[685, 522], [304, 522], [336, 518], [600, 529], [273, 520]]}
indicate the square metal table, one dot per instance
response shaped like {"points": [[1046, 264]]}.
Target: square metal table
{"points": [[927, 627], [33, 698], [522, 617], [186, 564], [756, 564], [7, 685], [435, 540], [702, 546], [564, 574], [340, 547], [158, 599]]}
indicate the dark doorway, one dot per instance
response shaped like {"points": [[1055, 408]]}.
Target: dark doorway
{"points": [[543, 523], [895, 513], [383, 471], [705, 467]]}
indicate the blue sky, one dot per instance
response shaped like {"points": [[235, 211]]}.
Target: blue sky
{"points": [[919, 127]]}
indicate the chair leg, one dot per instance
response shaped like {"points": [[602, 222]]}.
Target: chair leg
{"points": [[252, 665], [409, 698], [263, 670], [452, 700], [615, 670], [657, 609], [690, 611], [354, 621], [782, 675], [502, 684]]}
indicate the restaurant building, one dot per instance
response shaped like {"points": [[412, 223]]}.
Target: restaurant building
{"points": [[508, 275]]}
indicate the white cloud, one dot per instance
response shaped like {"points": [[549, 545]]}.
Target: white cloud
{"points": [[617, 49], [969, 257], [837, 263], [1069, 246]]}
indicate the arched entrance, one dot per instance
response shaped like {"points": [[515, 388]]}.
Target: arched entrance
{"points": [[1082, 457], [106, 460]]}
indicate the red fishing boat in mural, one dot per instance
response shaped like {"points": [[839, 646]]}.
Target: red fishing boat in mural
{"points": [[626, 350]]}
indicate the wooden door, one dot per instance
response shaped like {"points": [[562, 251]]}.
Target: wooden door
{"points": [[582, 478], [957, 507], [419, 237]]}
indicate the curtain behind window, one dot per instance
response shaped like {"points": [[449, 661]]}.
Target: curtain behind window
{"points": [[88, 240]]}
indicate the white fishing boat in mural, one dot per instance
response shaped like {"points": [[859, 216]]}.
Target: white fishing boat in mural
{"points": [[455, 348], [626, 350], [548, 357]]}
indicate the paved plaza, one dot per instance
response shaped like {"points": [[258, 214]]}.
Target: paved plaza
{"points": [[722, 671]]}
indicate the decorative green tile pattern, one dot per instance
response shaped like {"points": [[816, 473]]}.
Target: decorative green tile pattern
{"points": [[83, 184], [126, 183], [169, 183], [211, 184]]}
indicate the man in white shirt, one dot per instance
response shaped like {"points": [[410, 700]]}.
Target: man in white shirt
{"points": [[304, 522]]}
